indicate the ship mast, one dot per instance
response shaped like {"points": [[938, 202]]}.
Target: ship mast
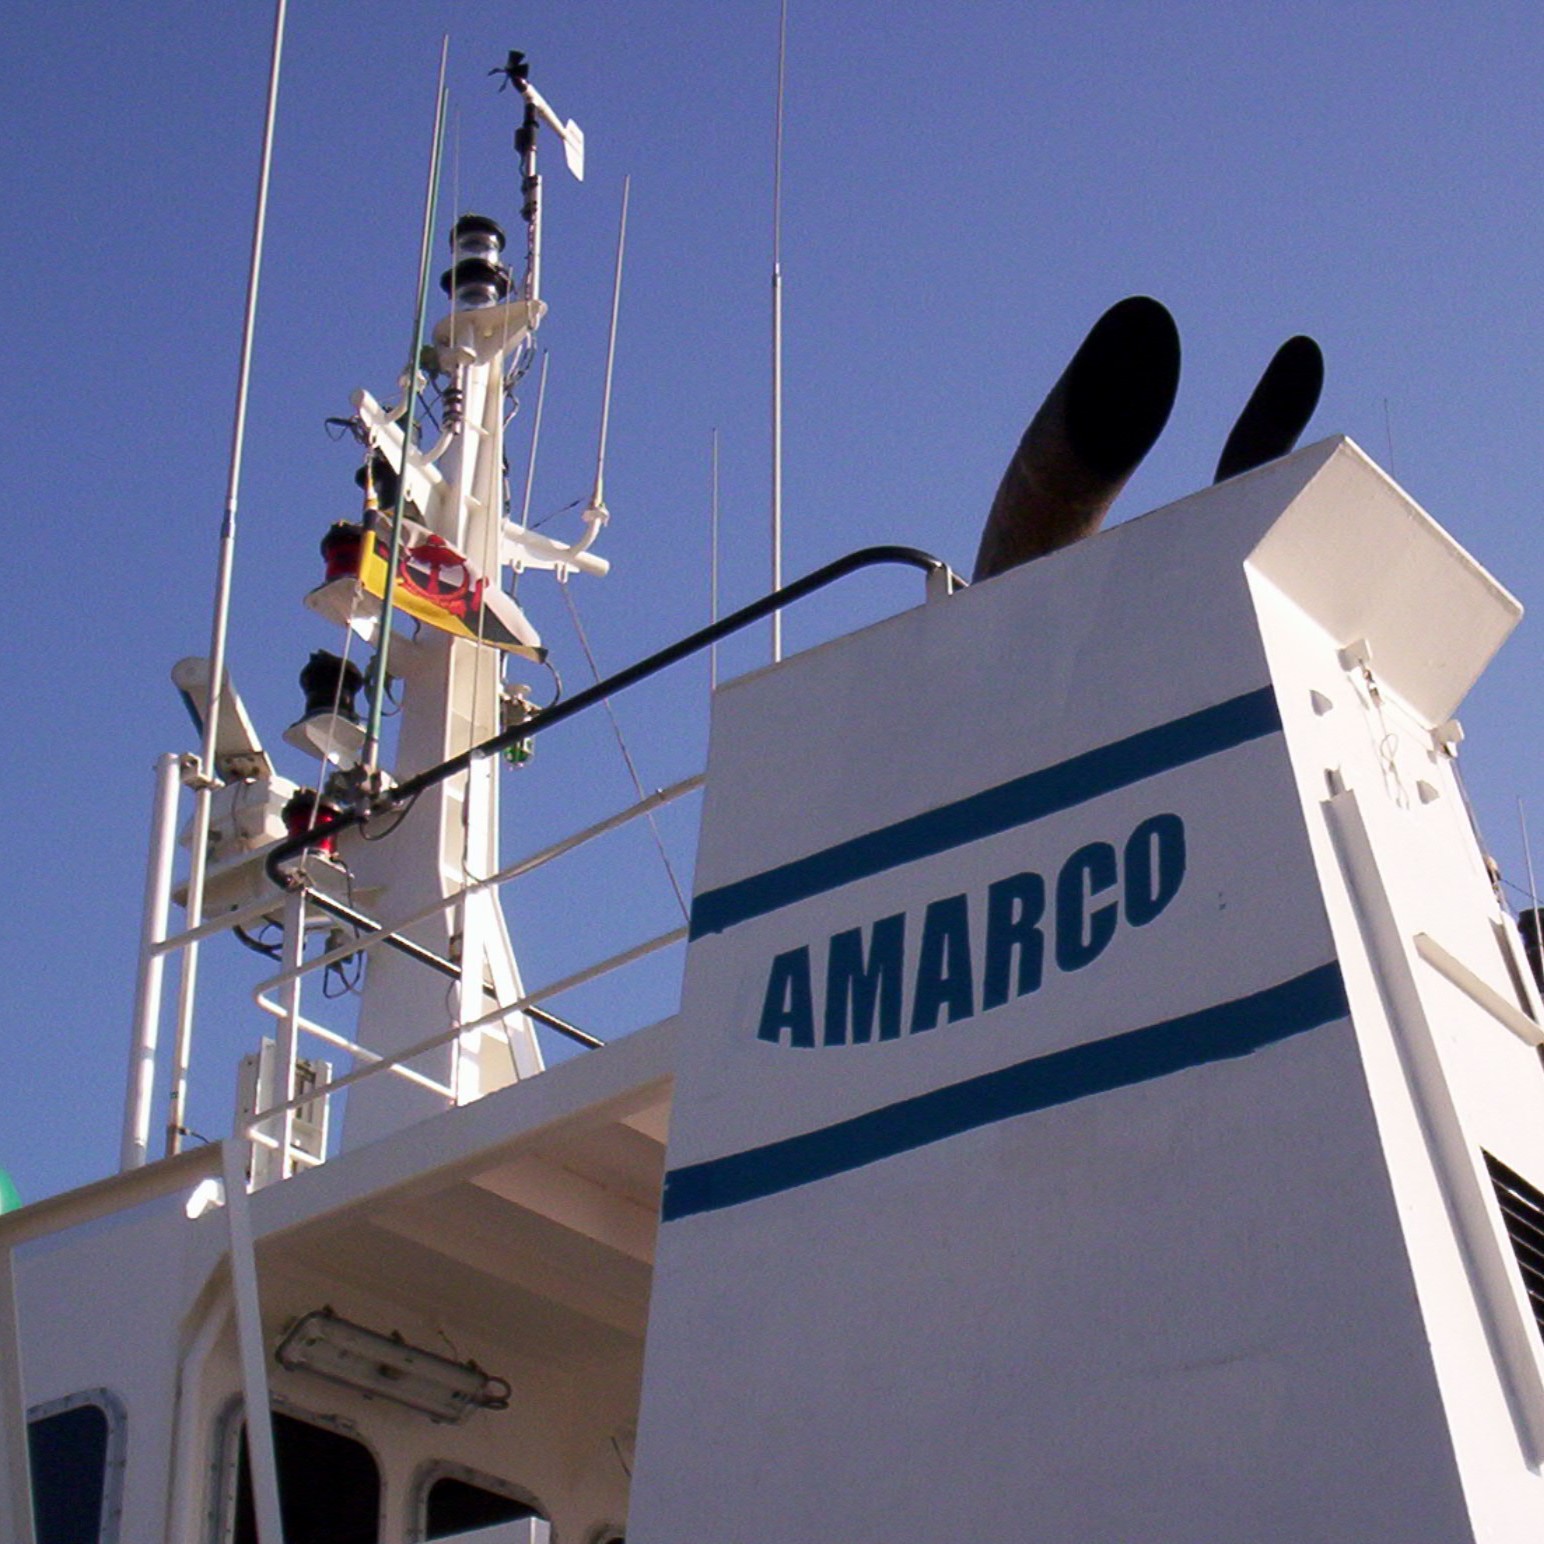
{"points": [[451, 521]]}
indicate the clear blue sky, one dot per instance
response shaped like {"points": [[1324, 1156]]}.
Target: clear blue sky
{"points": [[967, 188]]}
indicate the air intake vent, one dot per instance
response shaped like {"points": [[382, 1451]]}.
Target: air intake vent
{"points": [[1522, 1208]]}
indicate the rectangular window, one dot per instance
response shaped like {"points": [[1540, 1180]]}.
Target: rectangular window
{"points": [[329, 1487], [75, 1449]]}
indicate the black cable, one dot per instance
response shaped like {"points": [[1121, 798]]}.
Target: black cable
{"points": [[380, 836], [405, 793], [562, 509], [273, 951], [557, 683]]}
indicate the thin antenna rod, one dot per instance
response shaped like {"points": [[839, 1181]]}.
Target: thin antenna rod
{"points": [[372, 745], [777, 337], [220, 629], [713, 570], [597, 511], [1533, 889], [530, 467]]}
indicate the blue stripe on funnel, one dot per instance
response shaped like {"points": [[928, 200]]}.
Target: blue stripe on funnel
{"points": [[1213, 1034], [994, 810]]}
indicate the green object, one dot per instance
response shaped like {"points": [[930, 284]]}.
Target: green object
{"points": [[10, 1197]]}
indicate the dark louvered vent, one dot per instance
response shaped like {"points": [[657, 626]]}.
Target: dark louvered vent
{"points": [[1522, 1207]]}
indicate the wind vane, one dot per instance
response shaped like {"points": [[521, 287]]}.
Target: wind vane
{"points": [[516, 72]]}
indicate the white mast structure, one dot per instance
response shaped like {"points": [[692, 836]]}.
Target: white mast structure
{"points": [[452, 689]]}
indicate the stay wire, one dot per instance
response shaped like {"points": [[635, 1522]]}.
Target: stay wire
{"points": [[632, 770]]}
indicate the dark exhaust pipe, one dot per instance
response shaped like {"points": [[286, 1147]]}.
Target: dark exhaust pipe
{"points": [[1100, 419], [1278, 411]]}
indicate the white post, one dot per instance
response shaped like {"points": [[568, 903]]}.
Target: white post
{"points": [[249, 1337], [140, 1092], [289, 1025]]}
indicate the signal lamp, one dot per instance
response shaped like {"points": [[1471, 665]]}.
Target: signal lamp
{"points": [[330, 727], [340, 550], [302, 812]]}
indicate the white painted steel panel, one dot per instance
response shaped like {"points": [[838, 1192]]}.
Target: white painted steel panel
{"points": [[1067, 1267]]}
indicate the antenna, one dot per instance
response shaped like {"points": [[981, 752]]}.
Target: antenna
{"points": [[597, 514], [134, 1152], [1528, 922], [530, 469], [1522, 821], [777, 338], [367, 758], [713, 570]]}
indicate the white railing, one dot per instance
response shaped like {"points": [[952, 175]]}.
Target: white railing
{"points": [[280, 994]]}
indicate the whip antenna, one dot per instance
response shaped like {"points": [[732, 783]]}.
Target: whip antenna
{"points": [[530, 468], [713, 570], [777, 338], [410, 411], [597, 514], [136, 1131]]}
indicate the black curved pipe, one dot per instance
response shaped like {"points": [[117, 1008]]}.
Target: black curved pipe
{"points": [[404, 793], [1092, 432], [1277, 411]]}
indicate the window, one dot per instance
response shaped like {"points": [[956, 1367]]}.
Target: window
{"points": [[454, 1499], [76, 1451], [457, 1506], [329, 1487]]}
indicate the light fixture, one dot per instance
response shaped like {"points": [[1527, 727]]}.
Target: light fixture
{"points": [[476, 277], [387, 1367], [341, 548], [304, 809], [331, 726]]}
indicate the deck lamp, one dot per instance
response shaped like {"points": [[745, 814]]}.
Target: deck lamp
{"points": [[387, 1367]]}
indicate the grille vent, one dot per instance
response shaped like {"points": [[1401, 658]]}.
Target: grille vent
{"points": [[1522, 1209]]}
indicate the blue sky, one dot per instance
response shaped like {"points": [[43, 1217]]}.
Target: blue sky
{"points": [[966, 190]]}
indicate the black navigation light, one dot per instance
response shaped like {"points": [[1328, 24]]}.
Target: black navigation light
{"points": [[330, 726], [476, 276]]}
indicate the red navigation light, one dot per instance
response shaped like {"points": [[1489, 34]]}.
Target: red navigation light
{"points": [[340, 550], [305, 809]]}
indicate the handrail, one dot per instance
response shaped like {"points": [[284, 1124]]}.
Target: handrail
{"points": [[520, 1005], [516, 870], [342, 1042], [222, 922], [396, 798], [386, 933]]}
